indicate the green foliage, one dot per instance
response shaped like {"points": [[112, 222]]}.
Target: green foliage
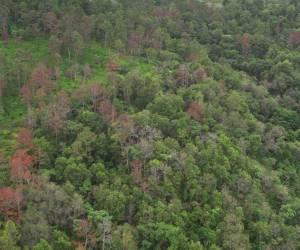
{"points": [[61, 241], [176, 124], [9, 236], [168, 105], [112, 201], [160, 235], [42, 245]]}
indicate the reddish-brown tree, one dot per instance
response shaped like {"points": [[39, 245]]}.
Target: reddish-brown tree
{"points": [[6, 197], [82, 95], [294, 39], [195, 111], [245, 42], [40, 84], [25, 138], [63, 101], [2, 86], [199, 75], [7, 202], [20, 165], [41, 78], [134, 42], [107, 109], [112, 65], [136, 171], [10, 202], [97, 94], [4, 32], [57, 112], [84, 230], [125, 126], [26, 95], [192, 57], [50, 22], [93, 94]]}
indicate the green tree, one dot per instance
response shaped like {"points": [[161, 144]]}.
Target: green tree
{"points": [[84, 144], [112, 201], [34, 227], [42, 245], [9, 237], [233, 235], [61, 241], [167, 105]]}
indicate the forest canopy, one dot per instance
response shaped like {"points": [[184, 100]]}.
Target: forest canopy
{"points": [[158, 124]]}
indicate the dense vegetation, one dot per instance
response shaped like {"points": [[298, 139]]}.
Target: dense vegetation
{"points": [[159, 124]]}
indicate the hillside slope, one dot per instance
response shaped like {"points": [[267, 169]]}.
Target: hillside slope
{"points": [[149, 125]]}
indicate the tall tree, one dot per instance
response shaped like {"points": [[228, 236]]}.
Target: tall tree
{"points": [[107, 109], [4, 15], [50, 22], [2, 86], [9, 236], [294, 39], [20, 165], [245, 43], [195, 111], [25, 139], [11, 202]]}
